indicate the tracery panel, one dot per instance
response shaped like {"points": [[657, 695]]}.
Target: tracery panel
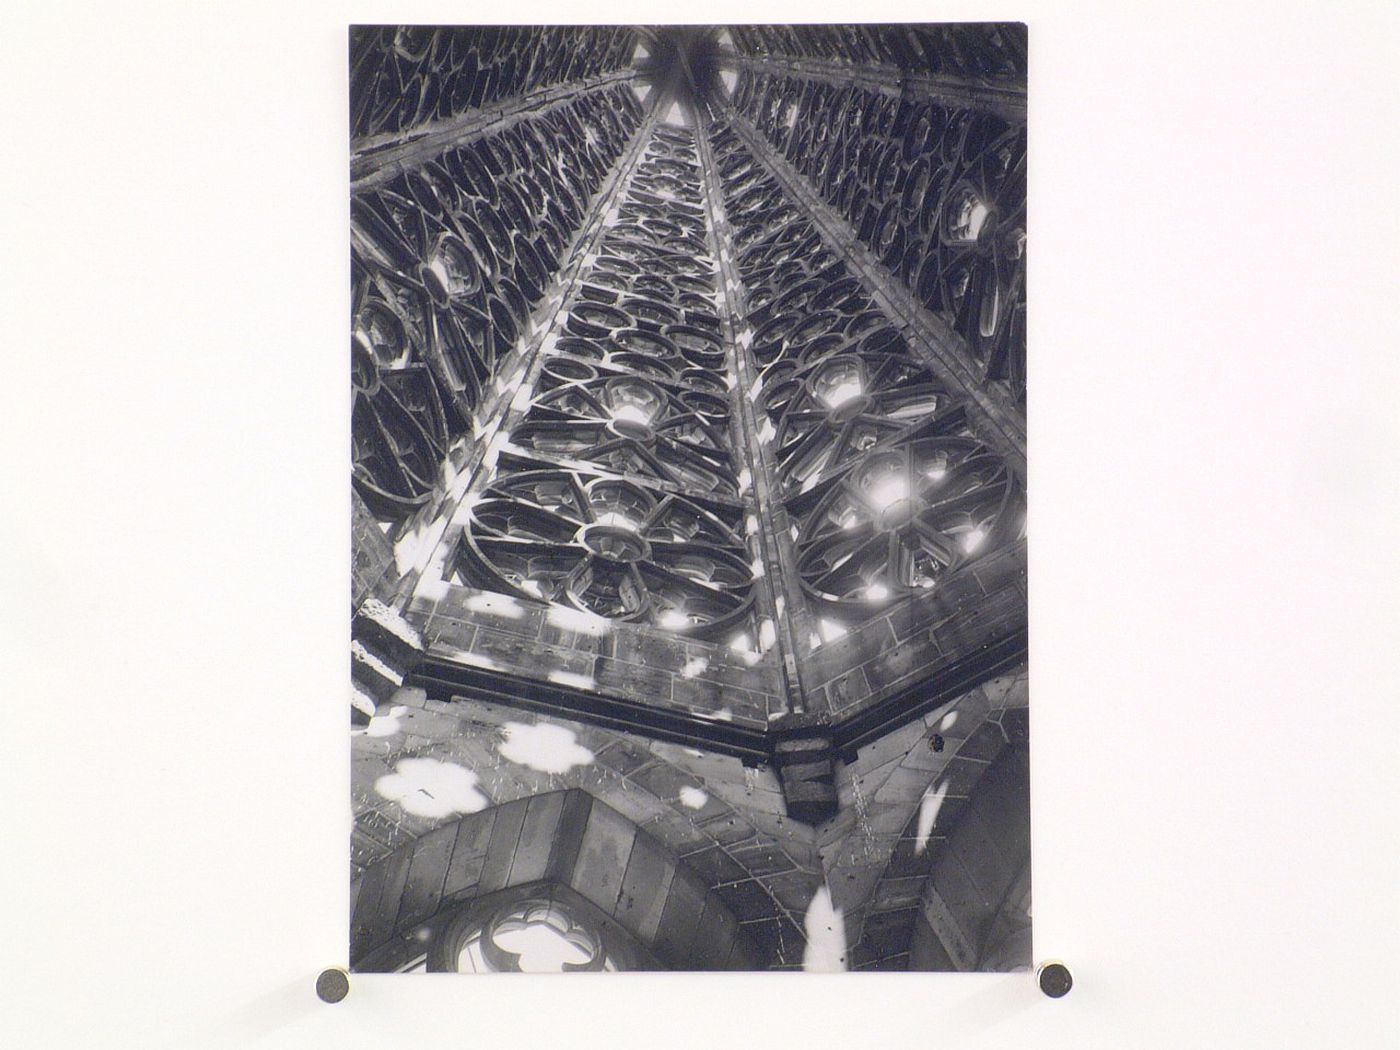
{"points": [[616, 491], [936, 192], [404, 76], [887, 487], [972, 50], [448, 261]]}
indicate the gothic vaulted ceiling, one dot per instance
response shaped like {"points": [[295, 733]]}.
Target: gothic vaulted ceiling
{"points": [[689, 591]]}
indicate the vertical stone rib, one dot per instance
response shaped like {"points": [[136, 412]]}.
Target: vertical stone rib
{"points": [[780, 577]]}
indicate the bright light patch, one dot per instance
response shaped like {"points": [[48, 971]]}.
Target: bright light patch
{"points": [[767, 635], [617, 520], [413, 549], [673, 619], [576, 620], [631, 414], [975, 220], [694, 666], [386, 724], [888, 491], [826, 936], [426, 787], [948, 721], [877, 592], [547, 748], [831, 630], [542, 948], [730, 79], [693, 797], [674, 116], [929, 806], [576, 681], [972, 540], [500, 604], [841, 393]]}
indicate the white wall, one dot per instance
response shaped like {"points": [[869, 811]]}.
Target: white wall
{"points": [[1214, 455]]}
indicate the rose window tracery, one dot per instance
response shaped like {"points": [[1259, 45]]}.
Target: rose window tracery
{"points": [[887, 489], [832, 411], [612, 548], [404, 76], [448, 260], [904, 517], [937, 193], [631, 425]]}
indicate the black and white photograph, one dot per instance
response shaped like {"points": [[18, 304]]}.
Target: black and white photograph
{"points": [[689, 582], [682, 528]]}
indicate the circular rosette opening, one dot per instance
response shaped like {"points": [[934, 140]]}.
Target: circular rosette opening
{"points": [[697, 590], [642, 364], [614, 543], [595, 320], [649, 311], [558, 371], [380, 334], [450, 270], [903, 518], [699, 347]]}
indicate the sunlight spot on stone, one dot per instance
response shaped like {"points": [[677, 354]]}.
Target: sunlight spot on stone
{"points": [[426, 787], [693, 797], [825, 951], [386, 724], [500, 604], [476, 660], [767, 635], [415, 547], [577, 620], [569, 678], [929, 806], [544, 747], [949, 720], [694, 666]]}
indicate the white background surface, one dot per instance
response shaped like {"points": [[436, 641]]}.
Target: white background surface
{"points": [[1214, 510]]}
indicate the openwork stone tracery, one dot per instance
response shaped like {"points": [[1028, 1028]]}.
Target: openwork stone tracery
{"points": [[654, 439]]}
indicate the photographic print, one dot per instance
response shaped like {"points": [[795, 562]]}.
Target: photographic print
{"points": [[689, 592]]}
